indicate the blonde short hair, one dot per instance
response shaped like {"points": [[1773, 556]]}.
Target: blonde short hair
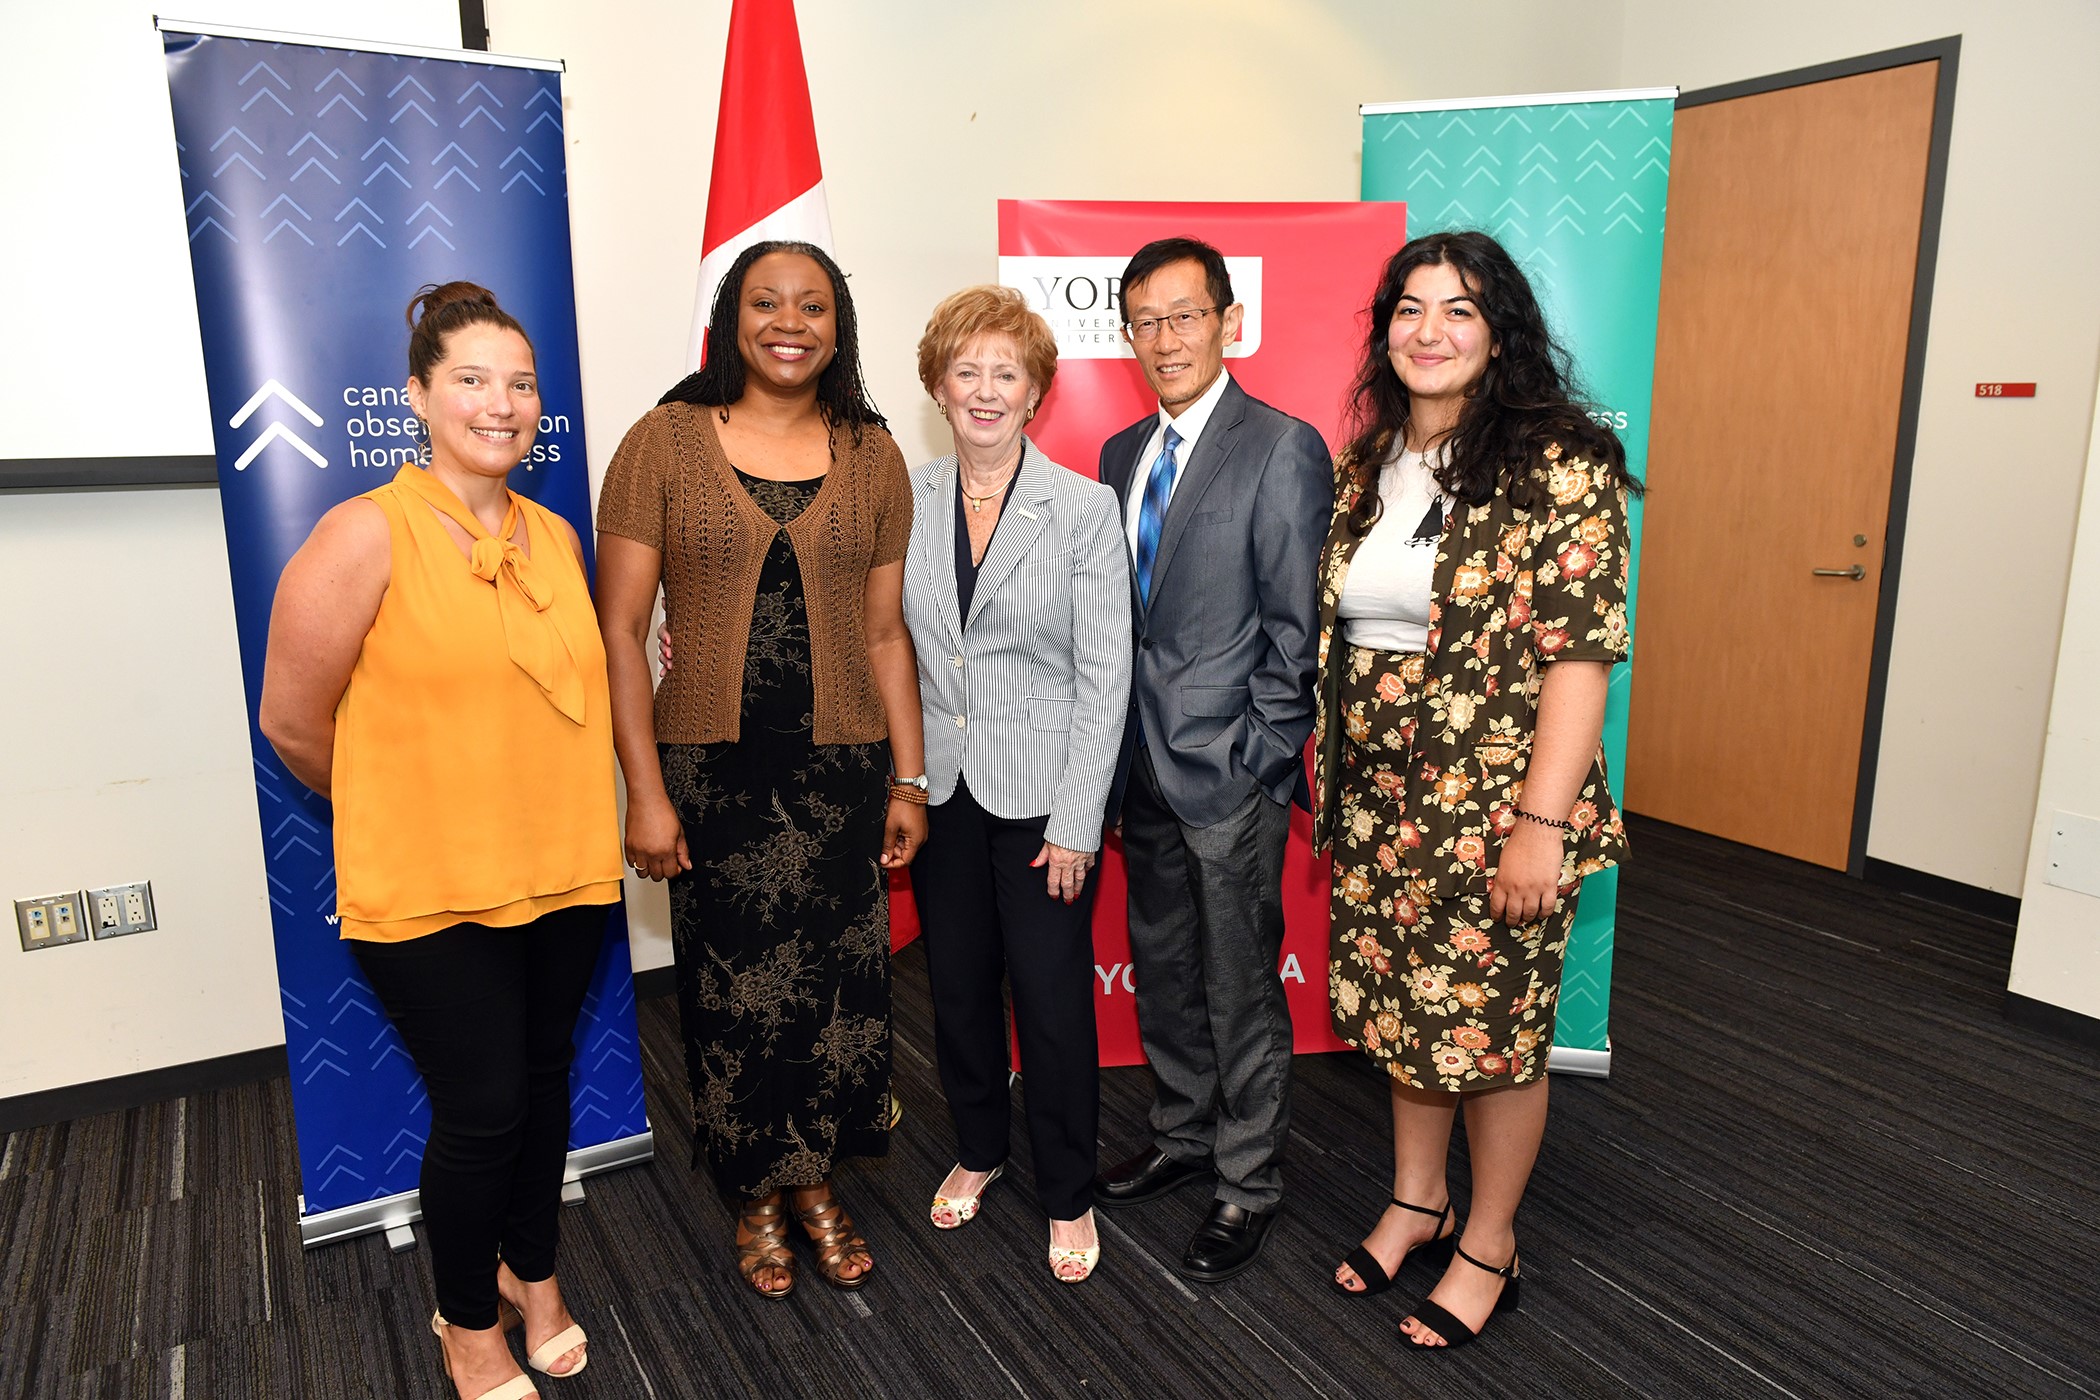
{"points": [[987, 310]]}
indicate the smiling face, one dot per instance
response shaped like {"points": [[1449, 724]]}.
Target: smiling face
{"points": [[1437, 341], [787, 323], [482, 402], [1180, 365], [986, 396]]}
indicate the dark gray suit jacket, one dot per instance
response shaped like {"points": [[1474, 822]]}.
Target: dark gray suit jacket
{"points": [[1223, 680]]}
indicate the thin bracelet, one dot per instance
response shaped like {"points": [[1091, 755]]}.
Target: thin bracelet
{"points": [[1545, 821], [907, 792]]}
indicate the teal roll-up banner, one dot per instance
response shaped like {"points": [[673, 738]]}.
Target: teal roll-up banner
{"points": [[1573, 185]]}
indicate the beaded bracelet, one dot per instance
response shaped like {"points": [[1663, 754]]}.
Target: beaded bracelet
{"points": [[909, 792], [1545, 821]]}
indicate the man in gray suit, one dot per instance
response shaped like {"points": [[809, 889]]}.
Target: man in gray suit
{"points": [[1226, 503]]}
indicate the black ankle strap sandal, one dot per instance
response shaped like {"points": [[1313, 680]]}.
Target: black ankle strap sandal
{"points": [[1436, 1250], [1454, 1332]]}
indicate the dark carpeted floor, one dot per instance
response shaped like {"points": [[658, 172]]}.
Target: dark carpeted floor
{"points": [[1823, 1166]]}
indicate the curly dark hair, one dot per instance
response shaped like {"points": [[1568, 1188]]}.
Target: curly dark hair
{"points": [[1524, 402], [842, 391]]}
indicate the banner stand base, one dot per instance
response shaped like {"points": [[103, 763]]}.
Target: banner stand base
{"points": [[396, 1214], [1591, 1064]]}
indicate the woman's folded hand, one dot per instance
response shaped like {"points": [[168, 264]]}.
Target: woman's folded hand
{"points": [[1067, 870], [656, 846], [1526, 887]]}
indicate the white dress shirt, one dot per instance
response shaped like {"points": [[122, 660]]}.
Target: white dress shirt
{"points": [[1190, 425]]}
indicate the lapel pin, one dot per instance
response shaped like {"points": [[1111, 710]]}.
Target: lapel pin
{"points": [[1027, 513]]}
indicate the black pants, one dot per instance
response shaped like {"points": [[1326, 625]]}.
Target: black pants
{"points": [[487, 1014], [988, 915], [1206, 929]]}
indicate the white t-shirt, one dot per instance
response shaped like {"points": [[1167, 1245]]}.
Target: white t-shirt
{"points": [[1385, 596]]}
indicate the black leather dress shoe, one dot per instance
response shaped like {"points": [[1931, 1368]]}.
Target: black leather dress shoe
{"points": [[1226, 1243], [1145, 1177]]}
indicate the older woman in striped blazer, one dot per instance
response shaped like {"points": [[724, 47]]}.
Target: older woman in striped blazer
{"points": [[1017, 594]]}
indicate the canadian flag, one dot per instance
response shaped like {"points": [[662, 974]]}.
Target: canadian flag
{"points": [[767, 181]]}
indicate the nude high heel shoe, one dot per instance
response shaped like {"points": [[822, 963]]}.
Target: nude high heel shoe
{"points": [[516, 1388]]}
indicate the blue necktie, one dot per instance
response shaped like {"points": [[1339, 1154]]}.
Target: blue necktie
{"points": [[1152, 513]]}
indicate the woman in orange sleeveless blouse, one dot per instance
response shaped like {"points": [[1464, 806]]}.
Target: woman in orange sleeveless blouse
{"points": [[435, 669]]}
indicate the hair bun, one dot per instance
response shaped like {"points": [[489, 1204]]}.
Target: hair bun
{"points": [[439, 310], [433, 296]]}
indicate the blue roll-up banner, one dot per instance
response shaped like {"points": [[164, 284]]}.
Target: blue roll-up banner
{"points": [[324, 183]]}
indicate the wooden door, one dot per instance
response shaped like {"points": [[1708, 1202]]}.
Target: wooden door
{"points": [[1786, 310]]}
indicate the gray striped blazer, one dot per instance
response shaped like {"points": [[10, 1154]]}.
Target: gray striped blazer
{"points": [[1026, 697]]}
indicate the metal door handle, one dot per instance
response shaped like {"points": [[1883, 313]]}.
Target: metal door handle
{"points": [[1857, 571]]}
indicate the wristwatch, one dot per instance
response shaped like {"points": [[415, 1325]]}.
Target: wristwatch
{"points": [[922, 782]]}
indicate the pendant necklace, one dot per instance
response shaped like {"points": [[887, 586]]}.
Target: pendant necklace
{"points": [[977, 502]]}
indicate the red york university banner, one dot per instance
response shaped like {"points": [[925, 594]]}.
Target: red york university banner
{"points": [[1305, 273]]}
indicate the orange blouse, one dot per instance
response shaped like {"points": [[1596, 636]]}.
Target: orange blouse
{"points": [[473, 765]]}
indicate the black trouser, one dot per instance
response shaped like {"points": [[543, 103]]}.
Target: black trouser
{"points": [[487, 1014], [987, 915]]}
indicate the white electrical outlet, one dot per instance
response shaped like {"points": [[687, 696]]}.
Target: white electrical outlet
{"points": [[122, 909]]}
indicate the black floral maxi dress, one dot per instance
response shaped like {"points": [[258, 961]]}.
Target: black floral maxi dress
{"points": [[781, 928]]}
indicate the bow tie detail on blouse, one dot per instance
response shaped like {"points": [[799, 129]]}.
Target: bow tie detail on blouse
{"points": [[524, 592], [491, 556]]}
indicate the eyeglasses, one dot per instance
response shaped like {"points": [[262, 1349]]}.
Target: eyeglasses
{"points": [[1183, 322]]}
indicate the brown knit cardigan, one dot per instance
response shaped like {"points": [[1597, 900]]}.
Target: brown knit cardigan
{"points": [[671, 487]]}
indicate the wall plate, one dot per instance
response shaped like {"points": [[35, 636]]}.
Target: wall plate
{"points": [[116, 910], [51, 920], [2073, 861]]}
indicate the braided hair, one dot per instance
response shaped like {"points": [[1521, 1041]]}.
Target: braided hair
{"points": [[842, 392]]}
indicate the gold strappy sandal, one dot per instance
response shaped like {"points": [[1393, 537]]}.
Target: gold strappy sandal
{"points": [[832, 1235], [762, 1243]]}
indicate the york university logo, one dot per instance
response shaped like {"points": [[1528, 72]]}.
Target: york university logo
{"points": [[1078, 297]]}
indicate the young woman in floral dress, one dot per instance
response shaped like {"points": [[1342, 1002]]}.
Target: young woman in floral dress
{"points": [[1473, 600]]}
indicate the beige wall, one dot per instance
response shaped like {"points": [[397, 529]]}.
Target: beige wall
{"points": [[123, 746], [103, 780], [1994, 488], [125, 759], [927, 114], [2057, 956]]}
